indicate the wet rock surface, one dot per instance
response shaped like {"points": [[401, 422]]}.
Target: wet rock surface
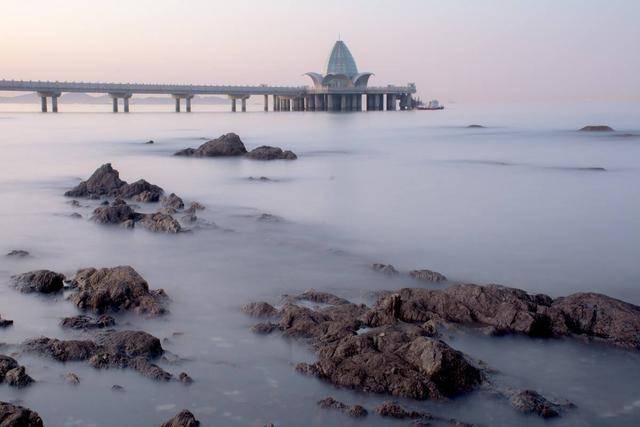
{"points": [[384, 268], [105, 181], [71, 378], [17, 253], [12, 373], [115, 289], [161, 222], [194, 207], [266, 152], [172, 201], [115, 349], [596, 128], [428, 276], [394, 410], [356, 411], [183, 419], [87, 322], [120, 213], [5, 323], [531, 402], [227, 145], [40, 281], [18, 416], [259, 309]]}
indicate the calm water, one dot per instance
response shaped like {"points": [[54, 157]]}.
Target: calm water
{"points": [[509, 204]]}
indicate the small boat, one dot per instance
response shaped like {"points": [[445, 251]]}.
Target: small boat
{"points": [[432, 105]]}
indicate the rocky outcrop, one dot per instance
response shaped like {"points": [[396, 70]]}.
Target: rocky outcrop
{"points": [[160, 222], [475, 127], [387, 269], [12, 373], [194, 207], [172, 202], [5, 323], [17, 253], [266, 152], [531, 402], [259, 309], [227, 145], [394, 410], [596, 128], [71, 378], [115, 349], [115, 289], [183, 419], [18, 416], [105, 181], [118, 212], [87, 322], [428, 276], [41, 281], [356, 411]]}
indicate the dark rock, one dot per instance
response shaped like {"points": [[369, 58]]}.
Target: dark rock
{"points": [[18, 253], [117, 388], [87, 322], [128, 224], [104, 203], [62, 351], [72, 378], [599, 317], [116, 213], [185, 378], [151, 192], [12, 373], [146, 197], [531, 402], [161, 222], [355, 411], [119, 288], [105, 181], [428, 276], [226, 145], [5, 323], [423, 418], [259, 309], [476, 127], [262, 178], [75, 203], [266, 217], [182, 419], [149, 141], [75, 215], [131, 344], [264, 328], [596, 128], [18, 416], [42, 281], [266, 152], [172, 201], [318, 297], [195, 206], [384, 268]]}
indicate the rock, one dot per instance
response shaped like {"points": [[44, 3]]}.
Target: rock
{"points": [[75, 203], [267, 217], [262, 178], [172, 201], [149, 141], [5, 323], [128, 224], [87, 322], [189, 218], [476, 127], [596, 128], [195, 206], [146, 197], [318, 297], [394, 410], [105, 181], [75, 215], [18, 253], [428, 276], [42, 281], [531, 402], [116, 349], [12, 373], [18, 416], [117, 213], [72, 378], [117, 388], [119, 288], [182, 419], [384, 268], [161, 222], [259, 309], [264, 328], [355, 411], [266, 152], [226, 145], [185, 378], [599, 317]]}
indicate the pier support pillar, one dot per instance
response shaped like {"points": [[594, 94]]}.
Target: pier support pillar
{"points": [[318, 102], [54, 103], [329, 102], [125, 100], [376, 102], [177, 104], [311, 103], [187, 102], [43, 104], [343, 102], [233, 105], [244, 104], [266, 103], [115, 104]]}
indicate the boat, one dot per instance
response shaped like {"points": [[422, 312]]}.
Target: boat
{"points": [[432, 105]]}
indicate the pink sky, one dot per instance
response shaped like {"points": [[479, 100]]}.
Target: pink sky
{"points": [[474, 50]]}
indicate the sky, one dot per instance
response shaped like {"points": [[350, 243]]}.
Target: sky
{"points": [[454, 50]]}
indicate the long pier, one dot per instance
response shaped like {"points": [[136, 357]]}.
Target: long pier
{"points": [[284, 98]]}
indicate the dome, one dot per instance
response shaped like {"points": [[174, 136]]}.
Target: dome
{"points": [[341, 61]]}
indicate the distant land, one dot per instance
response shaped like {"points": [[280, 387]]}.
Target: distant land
{"points": [[83, 98]]}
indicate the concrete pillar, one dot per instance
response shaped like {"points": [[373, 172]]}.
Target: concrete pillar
{"points": [[359, 98], [266, 103], [311, 103], [343, 102], [318, 102], [376, 102], [233, 105], [329, 102], [177, 104], [187, 102], [244, 104], [409, 102], [43, 104], [354, 102], [288, 104], [54, 103], [115, 104]]}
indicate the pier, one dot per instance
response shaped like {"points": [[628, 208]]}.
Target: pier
{"points": [[341, 88]]}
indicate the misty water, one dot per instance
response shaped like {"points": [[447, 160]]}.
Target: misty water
{"points": [[521, 203]]}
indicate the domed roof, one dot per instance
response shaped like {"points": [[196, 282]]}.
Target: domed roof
{"points": [[340, 61]]}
